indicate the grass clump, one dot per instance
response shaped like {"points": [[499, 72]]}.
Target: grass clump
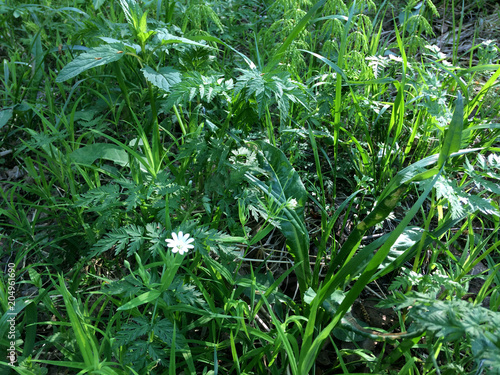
{"points": [[285, 187]]}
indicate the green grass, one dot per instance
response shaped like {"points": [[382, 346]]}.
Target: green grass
{"points": [[322, 156]]}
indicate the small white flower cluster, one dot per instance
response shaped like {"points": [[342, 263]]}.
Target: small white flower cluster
{"points": [[292, 204], [243, 156], [180, 243]]}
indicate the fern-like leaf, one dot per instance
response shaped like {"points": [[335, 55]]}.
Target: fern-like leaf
{"points": [[130, 237]]}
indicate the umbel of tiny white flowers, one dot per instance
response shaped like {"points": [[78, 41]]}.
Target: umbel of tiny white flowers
{"points": [[180, 243]]}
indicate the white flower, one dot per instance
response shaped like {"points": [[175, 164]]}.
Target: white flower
{"points": [[180, 243], [292, 204], [243, 156]]}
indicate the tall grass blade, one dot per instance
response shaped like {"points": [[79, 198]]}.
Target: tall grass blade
{"points": [[453, 136], [293, 35], [283, 338], [310, 350], [83, 338]]}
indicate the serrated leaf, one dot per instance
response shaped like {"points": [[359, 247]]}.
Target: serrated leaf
{"points": [[89, 154], [163, 79], [132, 331], [127, 286], [164, 329], [104, 195], [95, 57]]}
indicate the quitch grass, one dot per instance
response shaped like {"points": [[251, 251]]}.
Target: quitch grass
{"points": [[319, 154]]}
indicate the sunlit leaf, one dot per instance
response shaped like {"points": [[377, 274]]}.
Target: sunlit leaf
{"points": [[95, 57], [164, 78], [89, 154]]}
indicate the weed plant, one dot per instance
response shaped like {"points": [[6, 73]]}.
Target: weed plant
{"points": [[243, 187]]}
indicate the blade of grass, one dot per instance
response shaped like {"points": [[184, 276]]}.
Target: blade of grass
{"points": [[453, 136], [283, 338], [311, 348], [293, 35], [83, 338]]}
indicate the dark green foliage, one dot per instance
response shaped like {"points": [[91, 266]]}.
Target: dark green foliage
{"points": [[213, 187]]}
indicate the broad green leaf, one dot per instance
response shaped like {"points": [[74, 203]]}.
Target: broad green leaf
{"points": [[453, 136], [485, 89], [379, 213], [108, 40], [141, 300], [5, 116], [38, 55], [210, 38], [164, 78], [21, 304], [98, 3], [166, 38], [283, 185], [409, 237], [73, 9], [418, 171], [328, 62], [95, 57], [31, 316], [87, 155]]}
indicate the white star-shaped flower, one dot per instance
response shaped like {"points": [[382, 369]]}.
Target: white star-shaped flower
{"points": [[180, 243], [292, 203]]}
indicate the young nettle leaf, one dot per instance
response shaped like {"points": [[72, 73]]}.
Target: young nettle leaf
{"points": [[143, 34], [164, 78], [94, 57]]}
